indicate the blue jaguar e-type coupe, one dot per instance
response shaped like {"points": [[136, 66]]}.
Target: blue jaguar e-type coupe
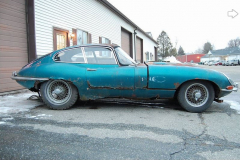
{"points": [[91, 72]]}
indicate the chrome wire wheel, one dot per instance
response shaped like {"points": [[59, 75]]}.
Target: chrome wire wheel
{"points": [[196, 95], [59, 92]]}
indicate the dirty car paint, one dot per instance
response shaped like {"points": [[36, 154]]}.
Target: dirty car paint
{"points": [[95, 81]]}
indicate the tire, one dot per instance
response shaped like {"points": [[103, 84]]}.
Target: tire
{"points": [[193, 89], [58, 94]]}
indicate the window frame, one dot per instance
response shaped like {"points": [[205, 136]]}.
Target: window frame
{"points": [[82, 36], [84, 55], [106, 47], [101, 40]]}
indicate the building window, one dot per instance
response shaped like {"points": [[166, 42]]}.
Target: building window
{"points": [[82, 37], [103, 40], [60, 38]]}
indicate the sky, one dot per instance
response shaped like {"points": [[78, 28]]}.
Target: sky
{"points": [[188, 23]]}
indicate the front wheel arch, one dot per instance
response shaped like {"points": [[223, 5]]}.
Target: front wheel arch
{"points": [[215, 86], [196, 96]]}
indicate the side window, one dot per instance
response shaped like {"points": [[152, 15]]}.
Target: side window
{"points": [[74, 55], [99, 55]]}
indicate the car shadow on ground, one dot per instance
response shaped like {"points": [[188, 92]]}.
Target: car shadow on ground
{"points": [[162, 104], [126, 103]]}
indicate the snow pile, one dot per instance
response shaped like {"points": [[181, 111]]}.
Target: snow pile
{"points": [[16, 103], [234, 105], [172, 59]]}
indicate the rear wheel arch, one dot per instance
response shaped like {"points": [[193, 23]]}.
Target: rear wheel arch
{"points": [[54, 104]]}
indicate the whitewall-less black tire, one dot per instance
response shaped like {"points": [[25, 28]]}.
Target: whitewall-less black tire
{"points": [[196, 96], [58, 94]]}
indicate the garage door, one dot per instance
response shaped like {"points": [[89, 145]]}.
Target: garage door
{"points": [[139, 50], [126, 41], [13, 42]]}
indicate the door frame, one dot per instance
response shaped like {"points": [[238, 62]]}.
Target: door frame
{"points": [[56, 29]]}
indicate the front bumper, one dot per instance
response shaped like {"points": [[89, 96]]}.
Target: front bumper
{"points": [[235, 88]]}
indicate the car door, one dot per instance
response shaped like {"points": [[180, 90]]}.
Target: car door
{"points": [[104, 76]]}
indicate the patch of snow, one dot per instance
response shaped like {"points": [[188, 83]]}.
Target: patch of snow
{"points": [[12, 104], [7, 119], [172, 59], [2, 122], [234, 105], [44, 115], [37, 116]]}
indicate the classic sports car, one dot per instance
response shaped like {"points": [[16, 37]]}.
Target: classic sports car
{"points": [[91, 72]]}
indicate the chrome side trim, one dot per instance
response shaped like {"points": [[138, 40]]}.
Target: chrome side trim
{"points": [[29, 79]]}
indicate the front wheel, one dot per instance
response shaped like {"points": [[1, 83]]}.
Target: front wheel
{"points": [[58, 94], [196, 96]]}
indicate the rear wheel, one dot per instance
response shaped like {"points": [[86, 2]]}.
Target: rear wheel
{"points": [[58, 94], [196, 96]]}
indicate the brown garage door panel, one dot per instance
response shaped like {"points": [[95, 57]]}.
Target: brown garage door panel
{"points": [[11, 13], [15, 64], [139, 52], [14, 39], [10, 33], [126, 41], [13, 46], [13, 59], [11, 23], [12, 18], [15, 6], [11, 87]]}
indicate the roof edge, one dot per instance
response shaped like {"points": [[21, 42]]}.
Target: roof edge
{"points": [[121, 15]]}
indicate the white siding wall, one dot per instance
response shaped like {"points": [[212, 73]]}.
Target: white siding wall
{"points": [[233, 57], [88, 15]]}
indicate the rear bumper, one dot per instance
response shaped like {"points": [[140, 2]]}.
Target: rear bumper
{"points": [[17, 78]]}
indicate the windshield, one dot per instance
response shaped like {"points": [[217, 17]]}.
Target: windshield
{"points": [[123, 57]]}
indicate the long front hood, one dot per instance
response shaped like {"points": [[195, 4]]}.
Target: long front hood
{"points": [[171, 76]]}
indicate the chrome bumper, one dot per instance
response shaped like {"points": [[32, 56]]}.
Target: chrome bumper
{"points": [[15, 77], [235, 88]]}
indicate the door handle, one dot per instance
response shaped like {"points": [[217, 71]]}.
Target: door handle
{"points": [[89, 69]]}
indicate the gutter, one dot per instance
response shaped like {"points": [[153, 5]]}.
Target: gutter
{"points": [[135, 56]]}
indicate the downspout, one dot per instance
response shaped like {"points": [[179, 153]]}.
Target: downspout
{"points": [[135, 57], [30, 26]]}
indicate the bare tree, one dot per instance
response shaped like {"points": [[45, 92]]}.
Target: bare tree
{"points": [[199, 50], [234, 42], [164, 44], [207, 47]]}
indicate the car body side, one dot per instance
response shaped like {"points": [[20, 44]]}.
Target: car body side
{"points": [[135, 82]]}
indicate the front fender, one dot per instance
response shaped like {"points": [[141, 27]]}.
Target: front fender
{"points": [[171, 77]]}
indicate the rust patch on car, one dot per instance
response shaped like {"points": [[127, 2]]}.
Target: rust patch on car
{"points": [[106, 87], [39, 63], [176, 85]]}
